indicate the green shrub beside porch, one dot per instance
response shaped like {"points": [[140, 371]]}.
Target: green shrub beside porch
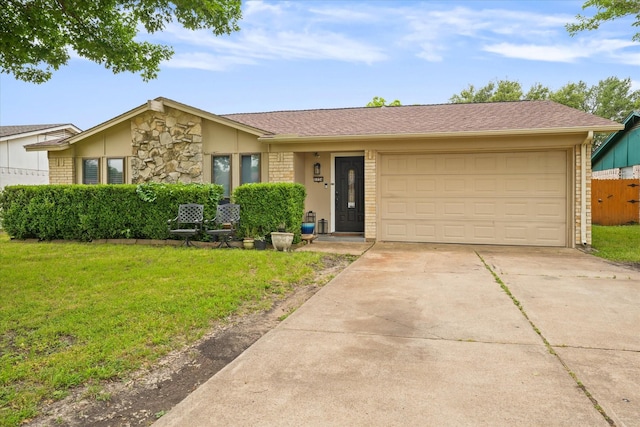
{"points": [[90, 212], [264, 206]]}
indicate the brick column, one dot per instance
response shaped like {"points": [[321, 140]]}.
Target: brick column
{"points": [[579, 195], [370, 192], [281, 167], [61, 170]]}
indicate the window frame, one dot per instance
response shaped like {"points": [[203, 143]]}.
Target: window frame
{"points": [[213, 171], [242, 156], [84, 168], [124, 177]]}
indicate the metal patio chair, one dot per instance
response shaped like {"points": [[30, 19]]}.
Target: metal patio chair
{"points": [[225, 223], [188, 223]]}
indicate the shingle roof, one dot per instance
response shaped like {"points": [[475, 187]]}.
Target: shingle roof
{"points": [[422, 119], [16, 130]]}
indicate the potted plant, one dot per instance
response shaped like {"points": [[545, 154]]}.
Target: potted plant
{"points": [[259, 242], [248, 241]]}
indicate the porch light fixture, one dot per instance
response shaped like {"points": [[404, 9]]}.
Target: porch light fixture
{"points": [[316, 169]]}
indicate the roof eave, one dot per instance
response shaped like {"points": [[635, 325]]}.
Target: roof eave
{"points": [[289, 138], [41, 131], [154, 106], [57, 147]]}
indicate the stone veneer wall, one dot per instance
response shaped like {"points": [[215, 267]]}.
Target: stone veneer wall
{"points": [[61, 170], [166, 147]]}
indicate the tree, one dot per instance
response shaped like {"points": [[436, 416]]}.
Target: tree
{"points": [[381, 102], [613, 98], [36, 36], [608, 10], [575, 95], [507, 91], [498, 91], [537, 92]]}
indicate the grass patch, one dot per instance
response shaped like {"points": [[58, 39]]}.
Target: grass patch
{"points": [[619, 243], [77, 314]]}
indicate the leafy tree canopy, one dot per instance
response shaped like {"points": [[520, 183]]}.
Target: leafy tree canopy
{"points": [[381, 102], [611, 98], [37, 36], [608, 10]]}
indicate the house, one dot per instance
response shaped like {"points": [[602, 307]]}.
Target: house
{"points": [[514, 173], [18, 166], [618, 157]]}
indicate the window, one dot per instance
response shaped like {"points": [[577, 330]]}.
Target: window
{"points": [[351, 196], [250, 168], [115, 171], [222, 173], [90, 171]]}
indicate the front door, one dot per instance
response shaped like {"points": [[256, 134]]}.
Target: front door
{"points": [[349, 194]]}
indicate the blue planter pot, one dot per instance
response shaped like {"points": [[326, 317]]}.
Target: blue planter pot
{"points": [[307, 227]]}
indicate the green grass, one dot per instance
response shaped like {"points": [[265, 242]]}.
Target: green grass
{"points": [[617, 243], [77, 314]]}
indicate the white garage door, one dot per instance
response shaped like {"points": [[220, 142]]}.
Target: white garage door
{"points": [[487, 198]]}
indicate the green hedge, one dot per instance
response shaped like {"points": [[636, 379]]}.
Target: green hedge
{"points": [[263, 207], [89, 212]]}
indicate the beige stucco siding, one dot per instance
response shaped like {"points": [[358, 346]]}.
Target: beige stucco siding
{"points": [[219, 139]]}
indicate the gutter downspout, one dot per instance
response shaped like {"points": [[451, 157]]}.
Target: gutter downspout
{"points": [[583, 187]]}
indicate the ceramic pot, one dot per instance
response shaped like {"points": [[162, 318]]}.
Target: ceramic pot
{"points": [[282, 241]]}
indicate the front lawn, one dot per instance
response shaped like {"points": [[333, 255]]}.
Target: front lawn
{"points": [[74, 314], [619, 243]]}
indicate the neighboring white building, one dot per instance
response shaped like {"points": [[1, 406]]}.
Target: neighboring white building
{"points": [[18, 166]]}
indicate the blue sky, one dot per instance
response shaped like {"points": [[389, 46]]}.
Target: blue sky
{"points": [[330, 54]]}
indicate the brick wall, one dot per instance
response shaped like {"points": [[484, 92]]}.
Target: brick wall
{"points": [[579, 195], [281, 167], [61, 170], [370, 206]]}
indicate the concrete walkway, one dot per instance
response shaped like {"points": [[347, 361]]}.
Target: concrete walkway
{"points": [[423, 335]]}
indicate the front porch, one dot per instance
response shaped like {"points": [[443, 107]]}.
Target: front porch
{"points": [[341, 188]]}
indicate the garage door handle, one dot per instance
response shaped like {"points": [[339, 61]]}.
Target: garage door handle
{"points": [[632, 201]]}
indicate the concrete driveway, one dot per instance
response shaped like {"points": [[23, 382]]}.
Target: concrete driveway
{"points": [[417, 334]]}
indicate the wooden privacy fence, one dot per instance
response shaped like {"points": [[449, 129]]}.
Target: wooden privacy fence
{"points": [[615, 201]]}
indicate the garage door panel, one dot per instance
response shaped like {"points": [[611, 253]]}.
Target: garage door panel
{"points": [[531, 209], [493, 198], [489, 232]]}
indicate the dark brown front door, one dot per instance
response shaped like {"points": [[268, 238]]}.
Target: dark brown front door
{"points": [[349, 194]]}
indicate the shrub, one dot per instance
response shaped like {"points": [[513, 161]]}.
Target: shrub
{"points": [[264, 206], [89, 212]]}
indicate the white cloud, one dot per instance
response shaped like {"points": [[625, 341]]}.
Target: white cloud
{"points": [[258, 43], [568, 52], [257, 7], [371, 32], [536, 52], [345, 15], [206, 61], [628, 58]]}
